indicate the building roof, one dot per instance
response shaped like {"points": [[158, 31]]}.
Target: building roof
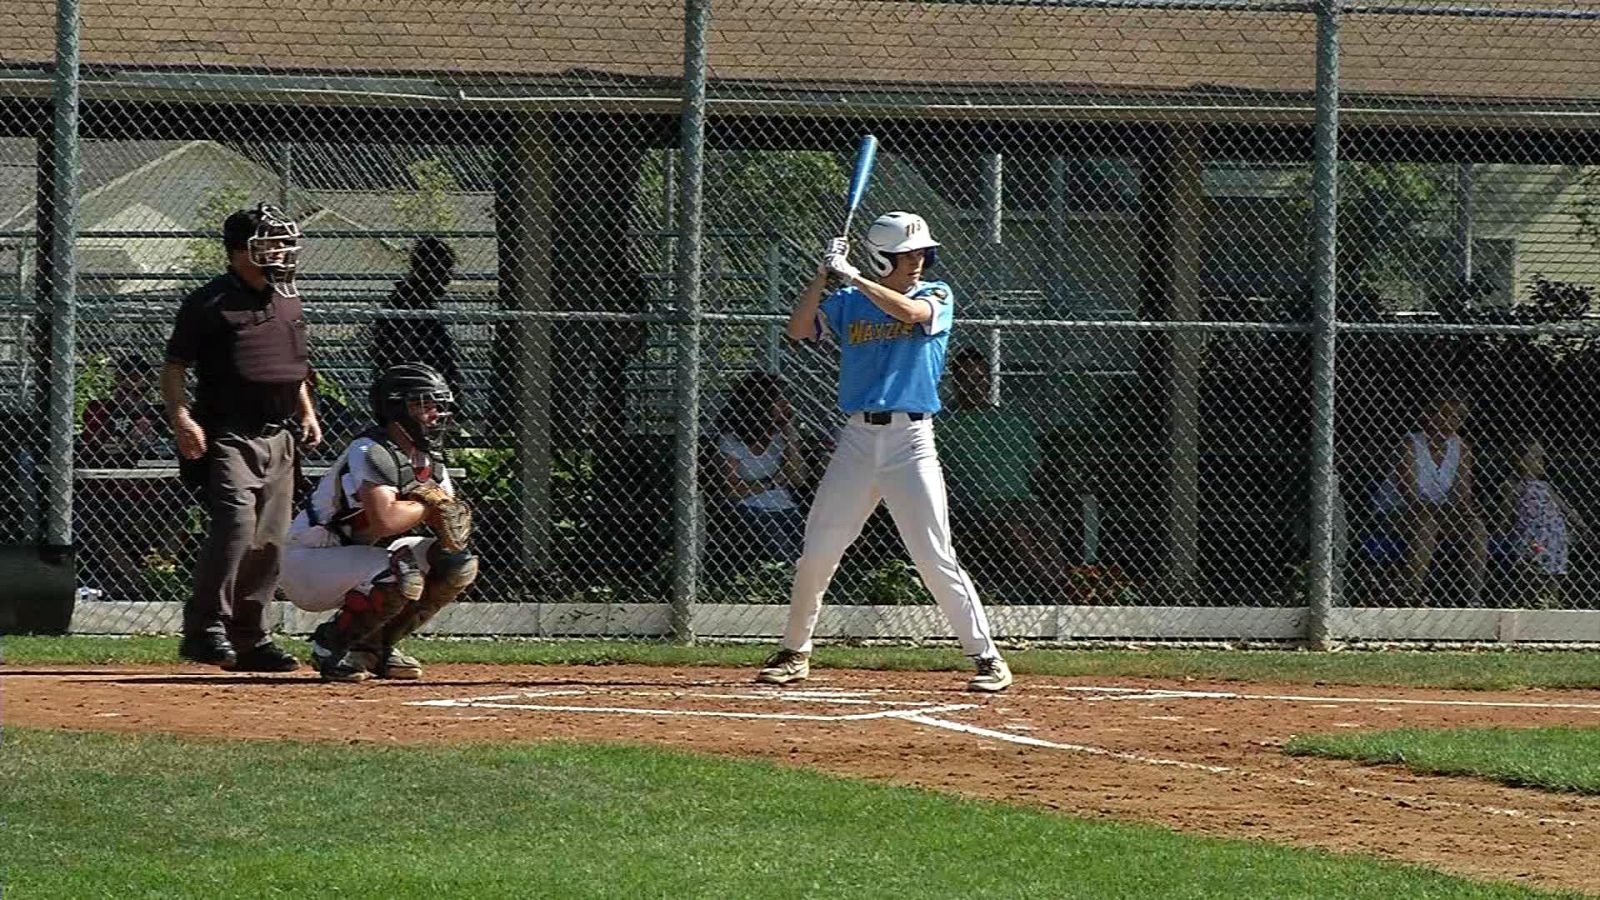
{"points": [[849, 44]]}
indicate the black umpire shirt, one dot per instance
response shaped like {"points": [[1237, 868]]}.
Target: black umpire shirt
{"points": [[249, 352]]}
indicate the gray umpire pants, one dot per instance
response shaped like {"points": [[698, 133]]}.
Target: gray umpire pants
{"points": [[250, 495]]}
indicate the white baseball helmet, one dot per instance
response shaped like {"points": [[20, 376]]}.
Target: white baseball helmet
{"points": [[898, 232]]}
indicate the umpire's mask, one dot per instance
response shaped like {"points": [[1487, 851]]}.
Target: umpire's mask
{"points": [[275, 247]]}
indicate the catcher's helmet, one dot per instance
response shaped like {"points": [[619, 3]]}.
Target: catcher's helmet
{"points": [[401, 385], [898, 232], [273, 240]]}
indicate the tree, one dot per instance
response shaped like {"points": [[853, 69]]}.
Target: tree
{"points": [[207, 255], [1389, 217], [429, 208], [791, 193]]}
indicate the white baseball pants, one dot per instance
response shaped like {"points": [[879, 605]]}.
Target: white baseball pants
{"points": [[898, 464], [316, 579]]}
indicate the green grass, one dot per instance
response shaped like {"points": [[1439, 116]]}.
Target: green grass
{"points": [[103, 815], [1484, 670], [1557, 759]]}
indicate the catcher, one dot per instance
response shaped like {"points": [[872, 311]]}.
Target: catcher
{"points": [[352, 548]]}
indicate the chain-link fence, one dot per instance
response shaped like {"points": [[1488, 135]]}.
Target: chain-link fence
{"points": [[1275, 320]]}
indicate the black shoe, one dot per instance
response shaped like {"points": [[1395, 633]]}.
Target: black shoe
{"points": [[326, 646], [268, 657], [208, 650]]}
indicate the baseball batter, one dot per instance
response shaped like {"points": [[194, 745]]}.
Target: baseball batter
{"points": [[892, 331], [352, 548]]}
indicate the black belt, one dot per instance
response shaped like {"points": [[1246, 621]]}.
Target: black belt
{"points": [[257, 429], [884, 418]]}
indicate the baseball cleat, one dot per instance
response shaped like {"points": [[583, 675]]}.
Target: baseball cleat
{"points": [[398, 665], [785, 666], [208, 649], [993, 675], [325, 646], [268, 657], [354, 666]]}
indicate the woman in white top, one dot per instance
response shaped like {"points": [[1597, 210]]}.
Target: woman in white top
{"points": [[1434, 482], [763, 465]]}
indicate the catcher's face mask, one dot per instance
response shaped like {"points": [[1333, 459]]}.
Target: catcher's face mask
{"points": [[427, 419], [275, 247]]}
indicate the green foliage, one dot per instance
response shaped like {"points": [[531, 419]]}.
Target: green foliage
{"points": [[94, 379], [489, 472], [792, 193], [1388, 215], [207, 255], [764, 582], [331, 388], [428, 208], [1587, 205], [785, 191], [892, 583]]}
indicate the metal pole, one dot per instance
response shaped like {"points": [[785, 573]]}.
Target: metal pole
{"points": [[1466, 195], [994, 365], [686, 493], [1324, 273], [286, 178], [774, 338], [993, 196], [64, 277], [1058, 235]]}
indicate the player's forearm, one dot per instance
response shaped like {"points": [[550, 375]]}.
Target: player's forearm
{"points": [[308, 406], [396, 517], [175, 391], [896, 304], [803, 321]]}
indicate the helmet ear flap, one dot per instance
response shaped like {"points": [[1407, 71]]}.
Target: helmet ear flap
{"points": [[881, 263]]}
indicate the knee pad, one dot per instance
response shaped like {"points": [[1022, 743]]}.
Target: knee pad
{"points": [[404, 575], [457, 569], [450, 575], [363, 611]]}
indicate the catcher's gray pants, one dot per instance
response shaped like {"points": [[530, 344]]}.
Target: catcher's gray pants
{"points": [[250, 495]]}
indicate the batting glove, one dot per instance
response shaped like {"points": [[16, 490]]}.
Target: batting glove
{"points": [[837, 247], [841, 267]]}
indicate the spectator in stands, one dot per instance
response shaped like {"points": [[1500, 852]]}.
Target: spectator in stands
{"points": [[1432, 492], [126, 425], [990, 455], [127, 516], [762, 466], [424, 340], [1543, 526]]}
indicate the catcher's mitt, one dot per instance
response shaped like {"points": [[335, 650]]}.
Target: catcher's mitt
{"points": [[450, 518]]}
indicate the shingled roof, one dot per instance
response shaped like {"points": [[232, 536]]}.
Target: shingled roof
{"points": [[840, 44]]}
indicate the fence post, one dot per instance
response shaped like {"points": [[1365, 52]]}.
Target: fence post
{"points": [[1324, 273], [64, 280], [774, 331], [686, 493]]}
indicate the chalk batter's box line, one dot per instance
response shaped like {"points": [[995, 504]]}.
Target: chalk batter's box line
{"points": [[1116, 694], [829, 698], [701, 713]]}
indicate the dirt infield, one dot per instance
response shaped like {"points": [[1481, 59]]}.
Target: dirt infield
{"points": [[1192, 756]]}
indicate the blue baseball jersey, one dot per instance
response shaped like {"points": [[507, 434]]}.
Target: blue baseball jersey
{"points": [[886, 364]]}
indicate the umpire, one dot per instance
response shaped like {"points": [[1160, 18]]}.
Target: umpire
{"points": [[244, 334]]}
